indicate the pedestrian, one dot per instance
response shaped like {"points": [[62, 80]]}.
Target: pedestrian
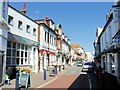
{"points": [[98, 70], [93, 68]]}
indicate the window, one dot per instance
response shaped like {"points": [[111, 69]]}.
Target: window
{"points": [[45, 36], [34, 31], [21, 61], [9, 44], [4, 9], [22, 53], [8, 61], [8, 52], [20, 25], [14, 53], [18, 54], [17, 61], [10, 20], [18, 46], [14, 45], [22, 46], [28, 29]]}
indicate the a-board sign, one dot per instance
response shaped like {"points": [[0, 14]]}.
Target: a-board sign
{"points": [[24, 79]]}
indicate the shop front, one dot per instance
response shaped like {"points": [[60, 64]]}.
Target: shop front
{"points": [[22, 52]]}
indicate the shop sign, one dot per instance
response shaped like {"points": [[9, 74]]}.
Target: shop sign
{"points": [[24, 78]]}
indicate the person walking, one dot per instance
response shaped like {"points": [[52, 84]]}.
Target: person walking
{"points": [[93, 68], [98, 70]]}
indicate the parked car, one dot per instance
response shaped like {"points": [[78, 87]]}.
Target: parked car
{"points": [[87, 66], [79, 63]]}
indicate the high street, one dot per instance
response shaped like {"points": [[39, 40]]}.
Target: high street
{"points": [[72, 78]]}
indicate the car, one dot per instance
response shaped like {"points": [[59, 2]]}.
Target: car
{"points": [[79, 63], [87, 66]]}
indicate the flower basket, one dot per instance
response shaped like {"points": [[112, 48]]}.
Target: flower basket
{"points": [[26, 70]]}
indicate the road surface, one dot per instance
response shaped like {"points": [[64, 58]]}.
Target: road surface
{"points": [[72, 78]]}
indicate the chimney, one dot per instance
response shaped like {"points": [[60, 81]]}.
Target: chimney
{"points": [[23, 11]]}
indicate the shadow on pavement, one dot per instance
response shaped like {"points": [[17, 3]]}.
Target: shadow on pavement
{"points": [[80, 83], [83, 82]]}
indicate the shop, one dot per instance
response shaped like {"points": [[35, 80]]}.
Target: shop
{"points": [[22, 52]]}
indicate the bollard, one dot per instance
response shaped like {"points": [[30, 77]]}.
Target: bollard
{"points": [[44, 74], [17, 81]]}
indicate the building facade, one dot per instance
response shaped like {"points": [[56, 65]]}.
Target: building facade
{"points": [[22, 49], [107, 44], [47, 49], [58, 30], [66, 51], [3, 37]]}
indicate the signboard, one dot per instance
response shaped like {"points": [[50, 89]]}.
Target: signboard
{"points": [[24, 79]]}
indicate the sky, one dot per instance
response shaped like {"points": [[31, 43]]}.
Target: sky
{"points": [[79, 19]]}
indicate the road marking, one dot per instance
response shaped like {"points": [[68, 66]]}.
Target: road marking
{"points": [[46, 83], [53, 79], [90, 85]]}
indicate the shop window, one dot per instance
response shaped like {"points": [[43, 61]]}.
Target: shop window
{"points": [[10, 20], [21, 60], [29, 61], [25, 54], [25, 61], [22, 47], [28, 54], [18, 46], [13, 61], [29, 48], [17, 62], [22, 53], [25, 47], [13, 52], [8, 52], [20, 25], [9, 44], [14, 45], [8, 61], [18, 53]]}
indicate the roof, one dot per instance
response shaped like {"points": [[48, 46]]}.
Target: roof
{"points": [[22, 14]]}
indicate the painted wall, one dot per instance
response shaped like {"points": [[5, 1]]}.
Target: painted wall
{"points": [[14, 29]]}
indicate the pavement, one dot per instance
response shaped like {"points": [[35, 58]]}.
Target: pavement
{"points": [[36, 80]]}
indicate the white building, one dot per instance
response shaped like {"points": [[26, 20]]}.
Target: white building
{"points": [[108, 50], [22, 38], [3, 37], [66, 59], [72, 57], [47, 49]]}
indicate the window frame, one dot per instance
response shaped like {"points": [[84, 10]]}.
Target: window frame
{"points": [[20, 25]]}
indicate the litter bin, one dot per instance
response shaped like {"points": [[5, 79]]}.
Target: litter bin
{"points": [[51, 71]]}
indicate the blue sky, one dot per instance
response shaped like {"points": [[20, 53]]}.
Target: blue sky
{"points": [[79, 19]]}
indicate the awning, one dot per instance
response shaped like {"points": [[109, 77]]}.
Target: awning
{"points": [[18, 39]]}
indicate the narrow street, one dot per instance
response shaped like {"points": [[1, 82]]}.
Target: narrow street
{"points": [[73, 78]]}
